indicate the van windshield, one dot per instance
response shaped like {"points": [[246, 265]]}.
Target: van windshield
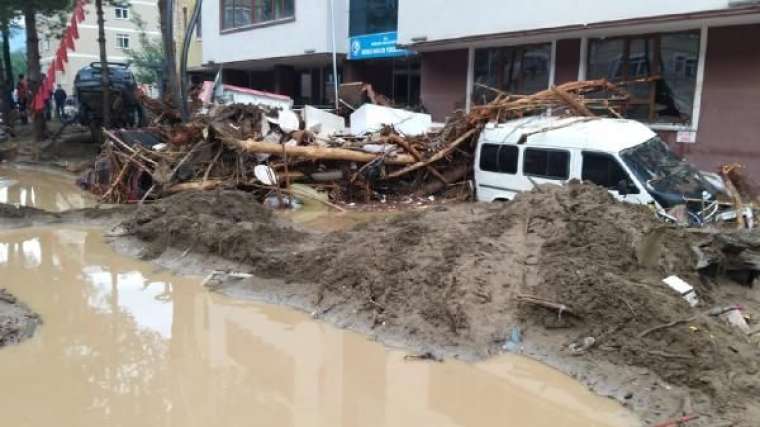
{"points": [[664, 173]]}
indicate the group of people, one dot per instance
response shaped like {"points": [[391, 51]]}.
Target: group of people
{"points": [[22, 98]]}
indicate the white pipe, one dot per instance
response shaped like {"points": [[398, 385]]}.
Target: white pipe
{"points": [[334, 55]]}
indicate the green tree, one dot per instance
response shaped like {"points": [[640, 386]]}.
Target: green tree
{"points": [[148, 58]]}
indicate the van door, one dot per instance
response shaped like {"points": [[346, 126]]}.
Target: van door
{"points": [[546, 165], [605, 170], [496, 172]]}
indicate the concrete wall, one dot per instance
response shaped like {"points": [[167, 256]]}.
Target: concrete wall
{"points": [[310, 31], [728, 127], [444, 82], [427, 18], [183, 12]]}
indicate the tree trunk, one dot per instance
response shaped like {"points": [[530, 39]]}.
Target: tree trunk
{"points": [[7, 64], [4, 107], [171, 95], [34, 74], [104, 77]]}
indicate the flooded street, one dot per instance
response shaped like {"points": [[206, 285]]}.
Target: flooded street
{"points": [[124, 345], [52, 191]]}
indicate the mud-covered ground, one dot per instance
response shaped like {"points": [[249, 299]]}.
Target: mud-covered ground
{"points": [[17, 321], [449, 280]]}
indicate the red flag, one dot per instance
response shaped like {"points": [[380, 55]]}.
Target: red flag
{"points": [[63, 54], [68, 40], [58, 61], [79, 11], [74, 27]]}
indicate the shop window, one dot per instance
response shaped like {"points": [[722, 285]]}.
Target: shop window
{"points": [[243, 13], [549, 164], [659, 70], [603, 170], [514, 69], [499, 158], [372, 16]]}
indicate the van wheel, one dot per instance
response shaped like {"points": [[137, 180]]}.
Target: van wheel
{"points": [[501, 200]]}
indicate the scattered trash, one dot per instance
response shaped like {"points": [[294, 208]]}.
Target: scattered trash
{"points": [[735, 318], [514, 342], [578, 348], [422, 357], [684, 289]]}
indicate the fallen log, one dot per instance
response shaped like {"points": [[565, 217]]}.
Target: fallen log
{"points": [[316, 152], [451, 174], [561, 308], [437, 156], [572, 102], [198, 185]]}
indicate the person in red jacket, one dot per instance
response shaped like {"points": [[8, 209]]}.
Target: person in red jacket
{"points": [[22, 95]]}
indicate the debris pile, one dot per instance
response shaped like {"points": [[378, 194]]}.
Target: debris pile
{"points": [[264, 150]]}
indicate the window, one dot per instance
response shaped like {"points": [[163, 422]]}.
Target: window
{"points": [[514, 69], [372, 17], [122, 41], [499, 158], [603, 170], [550, 164], [243, 13], [664, 65], [122, 12]]}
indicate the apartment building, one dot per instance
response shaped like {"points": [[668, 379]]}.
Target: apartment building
{"points": [[696, 60], [281, 46], [183, 11], [122, 33]]}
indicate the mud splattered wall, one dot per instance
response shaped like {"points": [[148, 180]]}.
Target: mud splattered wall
{"points": [[729, 129]]}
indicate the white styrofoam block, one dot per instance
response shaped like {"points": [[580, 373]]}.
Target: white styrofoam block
{"points": [[683, 288], [329, 124], [371, 118]]}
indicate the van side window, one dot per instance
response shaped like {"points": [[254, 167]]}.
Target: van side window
{"points": [[551, 164], [499, 158], [603, 170]]}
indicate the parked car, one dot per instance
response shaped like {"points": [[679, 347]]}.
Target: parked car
{"points": [[125, 109], [624, 156]]}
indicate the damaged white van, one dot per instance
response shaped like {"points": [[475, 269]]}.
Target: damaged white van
{"points": [[624, 156]]}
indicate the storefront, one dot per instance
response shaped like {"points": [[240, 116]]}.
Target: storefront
{"points": [[373, 56]]}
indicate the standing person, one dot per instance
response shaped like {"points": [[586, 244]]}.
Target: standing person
{"points": [[22, 95], [60, 101]]}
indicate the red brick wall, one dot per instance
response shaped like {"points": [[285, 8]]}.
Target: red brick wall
{"points": [[568, 61], [729, 129], [444, 82]]}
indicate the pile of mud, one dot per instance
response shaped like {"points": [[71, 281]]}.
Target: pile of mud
{"points": [[230, 224], [17, 321], [454, 279]]}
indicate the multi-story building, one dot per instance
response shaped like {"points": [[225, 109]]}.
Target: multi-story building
{"points": [[281, 46], [698, 71], [183, 11], [121, 30]]}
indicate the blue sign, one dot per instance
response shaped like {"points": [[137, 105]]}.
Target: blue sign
{"points": [[381, 45]]}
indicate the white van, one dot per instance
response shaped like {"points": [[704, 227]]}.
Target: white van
{"points": [[623, 156]]}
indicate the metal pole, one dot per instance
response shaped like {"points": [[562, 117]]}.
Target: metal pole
{"points": [[334, 55]]}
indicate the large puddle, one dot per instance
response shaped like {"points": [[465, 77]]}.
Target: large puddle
{"points": [[51, 191], [124, 345]]}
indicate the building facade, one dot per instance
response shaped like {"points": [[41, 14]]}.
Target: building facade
{"points": [[280, 46], [122, 33], [698, 75]]}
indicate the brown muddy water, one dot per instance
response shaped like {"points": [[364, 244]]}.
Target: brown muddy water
{"points": [[52, 191], [123, 344]]}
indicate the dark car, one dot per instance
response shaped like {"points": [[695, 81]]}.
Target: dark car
{"points": [[125, 110]]}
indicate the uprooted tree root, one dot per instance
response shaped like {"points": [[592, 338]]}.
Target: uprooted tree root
{"points": [[459, 277]]}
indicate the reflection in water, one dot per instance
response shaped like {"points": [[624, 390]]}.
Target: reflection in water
{"points": [[122, 345], [52, 191]]}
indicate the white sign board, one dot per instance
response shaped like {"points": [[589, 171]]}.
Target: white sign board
{"points": [[686, 137]]}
